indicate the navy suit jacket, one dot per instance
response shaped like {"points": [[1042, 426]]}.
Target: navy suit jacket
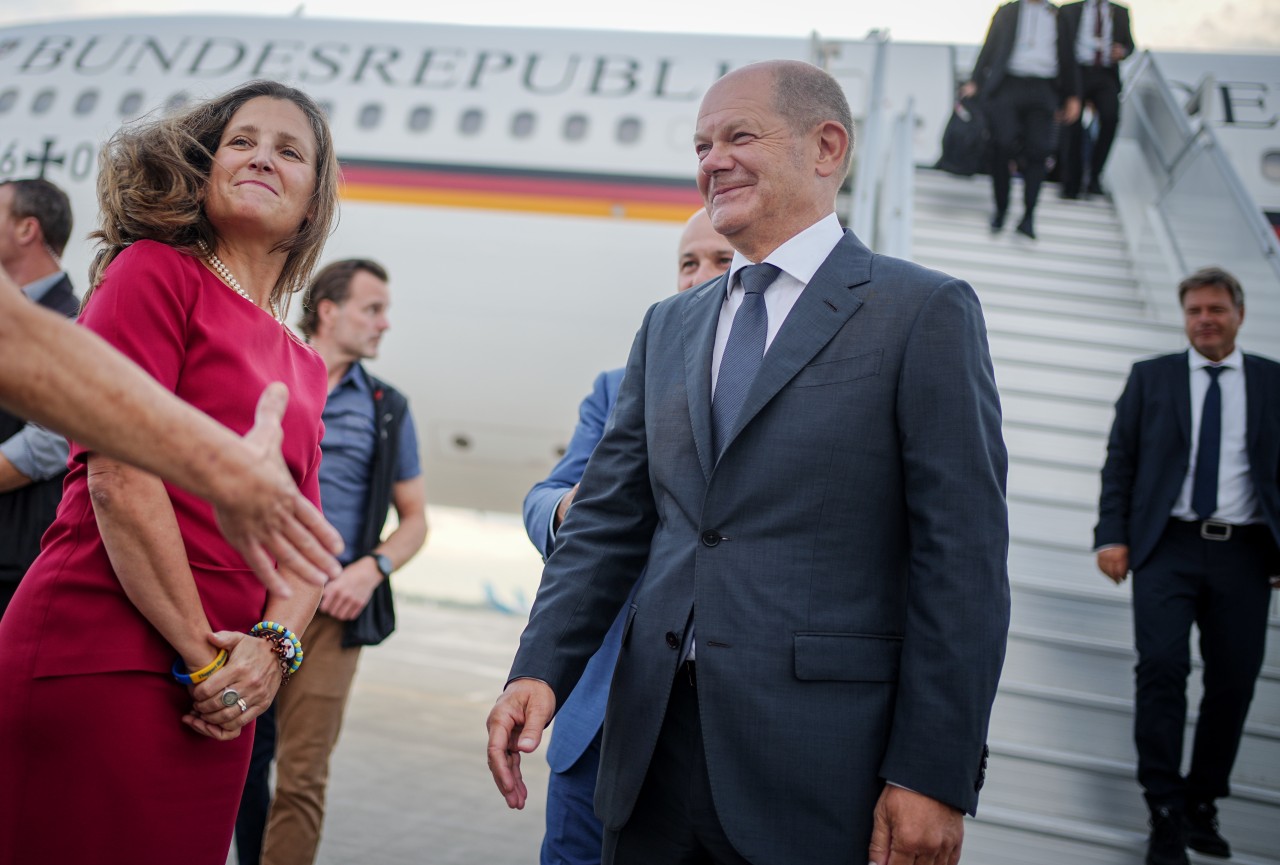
{"points": [[993, 61], [1072, 13], [845, 556], [1149, 451], [582, 715]]}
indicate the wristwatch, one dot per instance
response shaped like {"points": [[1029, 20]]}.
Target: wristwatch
{"points": [[384, 564]]}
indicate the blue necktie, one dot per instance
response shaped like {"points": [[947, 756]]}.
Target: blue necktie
{"points": [[743, 351], [1204, 486]]}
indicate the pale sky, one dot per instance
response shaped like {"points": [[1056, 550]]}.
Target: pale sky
{"points": [[1209, 25]]}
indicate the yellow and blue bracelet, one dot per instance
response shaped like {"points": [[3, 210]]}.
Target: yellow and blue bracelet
{"points": [[188, 678], [285, 643]]}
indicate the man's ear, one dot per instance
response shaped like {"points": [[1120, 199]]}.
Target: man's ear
{"points": [[28, 231], [833, 143]]}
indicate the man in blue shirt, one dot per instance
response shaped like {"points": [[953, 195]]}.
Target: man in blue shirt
{"points": [[370, 463], [573, 835]]}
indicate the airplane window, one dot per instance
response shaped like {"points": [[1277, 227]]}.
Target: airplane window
{"points": [[370, 115], [472, 120], [420, 119], [1270, 163], [42, 103], [7, 99], [86, 102], [629, 130], [131, 104], [575, 127], [176, 101], [522, 124]]}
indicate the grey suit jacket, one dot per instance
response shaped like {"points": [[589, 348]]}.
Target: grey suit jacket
{"points": [[844, 558]]}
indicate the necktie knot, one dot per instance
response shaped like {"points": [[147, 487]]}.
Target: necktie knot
{"points": [[1214, 371], [755, 278]]}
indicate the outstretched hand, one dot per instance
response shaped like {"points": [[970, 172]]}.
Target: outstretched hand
{"points": [[270, 518], [913, 829], [522, 712]]}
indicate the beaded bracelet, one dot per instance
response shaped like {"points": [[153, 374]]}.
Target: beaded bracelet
{"points": [[285, 644], [201, 674]]}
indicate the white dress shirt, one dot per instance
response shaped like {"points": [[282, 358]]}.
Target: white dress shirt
{"points": [[1087, 43], [798, 259], [1035, 49], [1237, 501]]}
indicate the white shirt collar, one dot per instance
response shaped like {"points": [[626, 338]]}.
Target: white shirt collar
{"points": [[802, 255], [1196, 360]]}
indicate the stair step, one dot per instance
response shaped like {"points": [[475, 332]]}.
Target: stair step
{"points": [[1075, 265], [932, 232]]}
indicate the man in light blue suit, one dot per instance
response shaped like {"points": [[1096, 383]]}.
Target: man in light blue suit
{"points": [[805, 464], [573, 835]]}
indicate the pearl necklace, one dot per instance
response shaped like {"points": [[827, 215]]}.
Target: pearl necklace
{"points": [[225, 273]]}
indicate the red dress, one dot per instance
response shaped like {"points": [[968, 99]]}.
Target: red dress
{"points": [[95, 762]]}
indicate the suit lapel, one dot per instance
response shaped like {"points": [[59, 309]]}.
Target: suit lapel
{"points": [[821, 310], [1254, 395], [1180, 370], [698, 336]]}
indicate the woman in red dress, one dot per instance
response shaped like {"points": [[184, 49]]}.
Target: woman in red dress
{"points": [[210, 220]]}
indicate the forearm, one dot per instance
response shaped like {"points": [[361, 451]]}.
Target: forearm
{"points": [[10, 477], [97, 397], [143, 541], [406, 540]]}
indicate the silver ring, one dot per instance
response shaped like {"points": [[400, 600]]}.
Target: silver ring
{"points": [[244, 707], [230, 696]]}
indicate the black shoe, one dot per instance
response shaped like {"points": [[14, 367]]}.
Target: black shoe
{"points": [[1168, 844], [1095, 188], [1202, 831], [1027, 227], [997, 221], [1068, 194]]}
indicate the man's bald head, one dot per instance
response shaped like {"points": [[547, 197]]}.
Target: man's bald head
{"points": [[702, 254]]}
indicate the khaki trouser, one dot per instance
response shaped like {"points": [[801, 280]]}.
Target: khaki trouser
{"points": [[308, 719]]}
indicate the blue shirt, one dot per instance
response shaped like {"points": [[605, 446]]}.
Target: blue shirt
{"points": [[347, 447]]}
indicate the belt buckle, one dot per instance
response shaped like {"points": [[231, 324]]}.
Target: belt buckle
{"points": [[1215, 530]]}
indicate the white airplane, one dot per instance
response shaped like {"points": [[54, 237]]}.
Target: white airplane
{"points": [[524, 187]]}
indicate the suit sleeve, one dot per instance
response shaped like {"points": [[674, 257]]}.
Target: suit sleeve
{"points": [[1116, 499], [541, 501], [957, 620], [1122, 34], [606, 544], [1069, 83], [982, 66]]}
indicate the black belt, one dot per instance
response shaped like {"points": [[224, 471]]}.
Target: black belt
{"points": [[1217, 530]]}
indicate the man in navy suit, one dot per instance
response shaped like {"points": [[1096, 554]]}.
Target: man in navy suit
{"points": [[573, 835], [1102, 39], [35, 225], [1025, 75], [1191, 505], [805, 464]]}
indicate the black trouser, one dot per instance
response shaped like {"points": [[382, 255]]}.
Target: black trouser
{"points": [[1020, 119], [251, 820], [1102, 88], [1222, 587], [674, 821]]}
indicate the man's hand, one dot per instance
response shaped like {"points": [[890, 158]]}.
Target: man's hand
{"points": [[562, 508], [912, 829], [1070, 111], [968, 90], [268, 517], [523, 711], [347, 595], [1114, 562], [1117, 52]]}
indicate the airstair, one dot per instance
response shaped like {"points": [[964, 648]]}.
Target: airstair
{"points": [[1066, 319]]}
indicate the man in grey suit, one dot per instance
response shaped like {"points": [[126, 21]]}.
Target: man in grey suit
{"points": [[806, 672]]}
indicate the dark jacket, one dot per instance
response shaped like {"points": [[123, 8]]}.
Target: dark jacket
{"points": [[378, 619], [1071, 13], [25, 513], [993, 60], [1149, 451]]}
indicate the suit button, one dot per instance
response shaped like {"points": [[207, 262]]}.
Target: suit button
{"points": [[710, 538], [672, 640]]}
